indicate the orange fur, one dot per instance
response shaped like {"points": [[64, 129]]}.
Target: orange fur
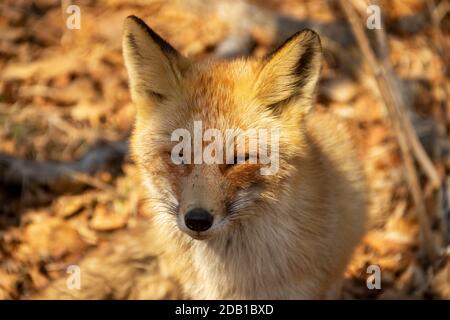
{"points": [[296, 231], [282, 236]]}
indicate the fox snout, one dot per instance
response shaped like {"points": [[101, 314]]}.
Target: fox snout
{"points": [[198, 219], [199, 223], [201, 203]]}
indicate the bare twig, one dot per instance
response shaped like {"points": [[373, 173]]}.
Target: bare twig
{"points": [[62, 177], [441, 48], [394, 104], [402, 111]]}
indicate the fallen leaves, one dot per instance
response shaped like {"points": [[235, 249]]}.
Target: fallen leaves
{"points": [[50, 238], [441, 281], [62, 91], [105, 220]]}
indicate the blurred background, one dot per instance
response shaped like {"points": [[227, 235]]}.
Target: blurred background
{"points": [[67, 184]]}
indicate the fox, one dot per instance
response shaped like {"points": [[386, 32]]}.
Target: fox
{"points": [[225, 230]]}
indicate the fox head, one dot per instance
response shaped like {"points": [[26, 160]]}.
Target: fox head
{"points": [[190, 116]]}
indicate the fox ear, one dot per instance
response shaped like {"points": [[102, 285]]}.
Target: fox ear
{"points": [[154, 66], [291, 72]]}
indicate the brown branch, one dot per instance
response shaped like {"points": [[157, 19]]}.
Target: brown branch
{"points": [[402, 111], [406, 136], [63, 177], [441, 49]]}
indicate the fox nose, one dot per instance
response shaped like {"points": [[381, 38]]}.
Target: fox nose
{"points": [[198, 219]]}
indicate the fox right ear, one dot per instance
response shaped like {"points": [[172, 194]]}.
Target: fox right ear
{"points": [[290, 73], [154, 67]]}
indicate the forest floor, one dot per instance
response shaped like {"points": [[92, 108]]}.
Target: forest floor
{"points": [[64, 101]]}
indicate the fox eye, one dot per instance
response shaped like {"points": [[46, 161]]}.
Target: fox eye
{"points": [[235, 162], [237, 158], [180, 155]]}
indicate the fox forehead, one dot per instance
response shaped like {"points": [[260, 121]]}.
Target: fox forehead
{"points": [[214, 78], [218, 93]]}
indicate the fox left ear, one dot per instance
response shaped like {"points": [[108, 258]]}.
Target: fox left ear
{"points": [[154, 67], [291, 72]]}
